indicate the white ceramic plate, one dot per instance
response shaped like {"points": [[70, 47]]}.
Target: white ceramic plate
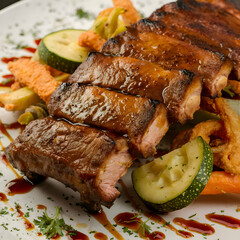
{"points": [[20, 24]]}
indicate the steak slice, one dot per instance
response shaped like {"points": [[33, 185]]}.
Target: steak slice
{"points": [[201, 29], [146, 40], [231, 6], [117, 112], [86, 159], [143, 78]]}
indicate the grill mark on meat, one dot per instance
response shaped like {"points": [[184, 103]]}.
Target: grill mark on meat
{"points": [[196, 27], [131, 75], [86, 159], [151, 44], [230, 6], [117, 112]]}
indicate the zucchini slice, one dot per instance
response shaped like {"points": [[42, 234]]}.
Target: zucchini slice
{"points": [[61, 51], [173, 181]]}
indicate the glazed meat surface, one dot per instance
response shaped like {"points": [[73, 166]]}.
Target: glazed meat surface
{"points": [[176, 89], [117, 112], [86, 159], [128, 75], [201, 29], [146, 41], [231, 6]]}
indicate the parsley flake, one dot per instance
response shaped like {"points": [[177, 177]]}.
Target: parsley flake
{"points": [[54, 226]]}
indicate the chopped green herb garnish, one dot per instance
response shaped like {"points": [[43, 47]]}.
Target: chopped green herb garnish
{"points": [[51, 227], [142, 225], [4, 82], [20, 46], [83, 14], [4, 211], [26, 214], [192, 215]]}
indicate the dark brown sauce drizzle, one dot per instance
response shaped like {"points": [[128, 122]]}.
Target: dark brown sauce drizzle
{"points": [[4, 131], [40, 206], [28, 225], [100, 236], [154, 217], [7, 60], [15, 125], [56, 237], [158, 219], [1, 145], [227, 221], [3, 198], [37, 41], [30, 49], [77, 236], [10, 80], [194, 226], [18, 186], [102, 218], [131, 221], [5, 161]]}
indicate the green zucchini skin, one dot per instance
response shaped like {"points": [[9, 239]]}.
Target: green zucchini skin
{"points": [[193, 191], [54, 58]]}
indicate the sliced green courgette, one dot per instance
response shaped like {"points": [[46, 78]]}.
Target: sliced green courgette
{"points": [[173, 181], [61, 51]]}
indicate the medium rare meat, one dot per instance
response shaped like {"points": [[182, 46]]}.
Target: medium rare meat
{"points": [[203, 30], [179, 90], [86, 159], [146, 40], [117, 112]]}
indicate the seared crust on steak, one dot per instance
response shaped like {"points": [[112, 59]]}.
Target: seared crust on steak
{"points": [[148, 40], [117, 112], [86, 159], [145, 79]]}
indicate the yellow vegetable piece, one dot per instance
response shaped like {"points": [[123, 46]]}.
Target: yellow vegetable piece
{"points": [[5, 90], [19, 100], [25, 118], [112, 22]]}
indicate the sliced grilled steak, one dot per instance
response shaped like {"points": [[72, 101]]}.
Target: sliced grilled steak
{"points": [[146, 40], [203, 30], [117, 112], [231, 6], [143, 78], [86, 159]]}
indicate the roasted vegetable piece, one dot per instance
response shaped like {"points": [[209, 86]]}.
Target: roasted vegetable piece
{"points": [[5, 90], [173, 181], [222, 182], [19, 99], [106, 25], [61, 51], [33, 112]]}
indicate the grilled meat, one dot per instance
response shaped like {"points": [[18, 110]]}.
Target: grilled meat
{"points": [[86, 159], [146, 40], [179, 90], [196, 27], [117, 112], [230, 6]]}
